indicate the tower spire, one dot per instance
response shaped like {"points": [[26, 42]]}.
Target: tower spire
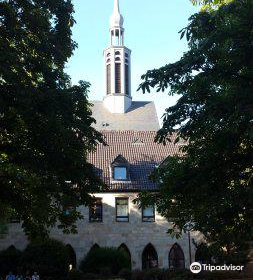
{"points": [[117, 67], [116, 20], [116, 6]]}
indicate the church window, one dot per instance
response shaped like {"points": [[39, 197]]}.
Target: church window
{"points": [[126, 251], [127, 78], [126, 55], [71, 256], [148, 213], [176, 257], [122, 209], [108, 55], [108, 79], [117, 53], [117, 59], [117, 77], [149, 257], [96, 211]]}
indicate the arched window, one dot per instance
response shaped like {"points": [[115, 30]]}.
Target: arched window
{"points": [[125, 249], [71, 256], [149, 257], [117, 53], [117, 77], [108, 60], [127, 78], [108, 55], [108, 78], [126, 55], [94, 247], [117, 59], [176, 257]]}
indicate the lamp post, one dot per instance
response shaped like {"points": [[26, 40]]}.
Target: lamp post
{"points": [[188, 227]]}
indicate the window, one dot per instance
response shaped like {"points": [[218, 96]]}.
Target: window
{"points": [[149, 257], [96, 211], [176, 257], [117, 77], [120, 173], [108, 79], [127, 78], [120, 170], [148, 213], [122, 211], [68, 210]]}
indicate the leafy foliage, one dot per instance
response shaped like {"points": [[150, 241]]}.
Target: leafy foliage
{"points": [[45, 123], [105, 261], [10, 260], [49, 257], [208, 4], [210, 183]]}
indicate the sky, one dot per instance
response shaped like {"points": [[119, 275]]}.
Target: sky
{"points": [[151, 32]]}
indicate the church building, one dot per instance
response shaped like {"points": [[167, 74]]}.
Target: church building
{"points": [[129, 128]]}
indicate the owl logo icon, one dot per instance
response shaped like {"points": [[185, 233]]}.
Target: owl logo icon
{"points": [[195, 267]]}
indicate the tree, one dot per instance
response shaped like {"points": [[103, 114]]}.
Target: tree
{"points": [[48, 256], [45, 123], [208, 4], [210, 181]]}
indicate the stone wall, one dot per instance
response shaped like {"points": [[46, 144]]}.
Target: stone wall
{"points": [[135, 234]]}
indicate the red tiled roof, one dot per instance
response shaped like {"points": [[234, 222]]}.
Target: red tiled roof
{"points": [[139, 149]]}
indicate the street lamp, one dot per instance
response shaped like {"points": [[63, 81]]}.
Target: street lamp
{"points": [[188, 227]]}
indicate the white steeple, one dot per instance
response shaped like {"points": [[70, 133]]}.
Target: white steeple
{"points": [[116, 19], [117, 67]]}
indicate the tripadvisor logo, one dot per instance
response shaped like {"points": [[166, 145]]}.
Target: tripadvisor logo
{"points": [[197, 267]]}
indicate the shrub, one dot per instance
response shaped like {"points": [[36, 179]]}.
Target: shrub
{"points": [[105, 261], [75, 275], [90, 276], [10, 260], [137, 275], [49, 257], [125, 273]]}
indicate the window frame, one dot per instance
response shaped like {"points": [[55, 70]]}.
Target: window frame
{"points": [[116, 210], [100, 200], [145, 219]]}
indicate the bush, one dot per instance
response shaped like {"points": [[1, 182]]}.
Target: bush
{"points": [[125, 274], [137, 275], [10, 260], [49, 257], [90, 276], [106, 261], [75, 275]]}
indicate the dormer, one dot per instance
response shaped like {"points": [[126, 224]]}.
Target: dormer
{"points": [[120, 170]]}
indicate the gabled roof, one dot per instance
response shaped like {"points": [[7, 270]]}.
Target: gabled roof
{"points": [[142, 157], [140, 116]]}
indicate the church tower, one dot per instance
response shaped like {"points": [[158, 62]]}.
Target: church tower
{"points": [[117, 60]]}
